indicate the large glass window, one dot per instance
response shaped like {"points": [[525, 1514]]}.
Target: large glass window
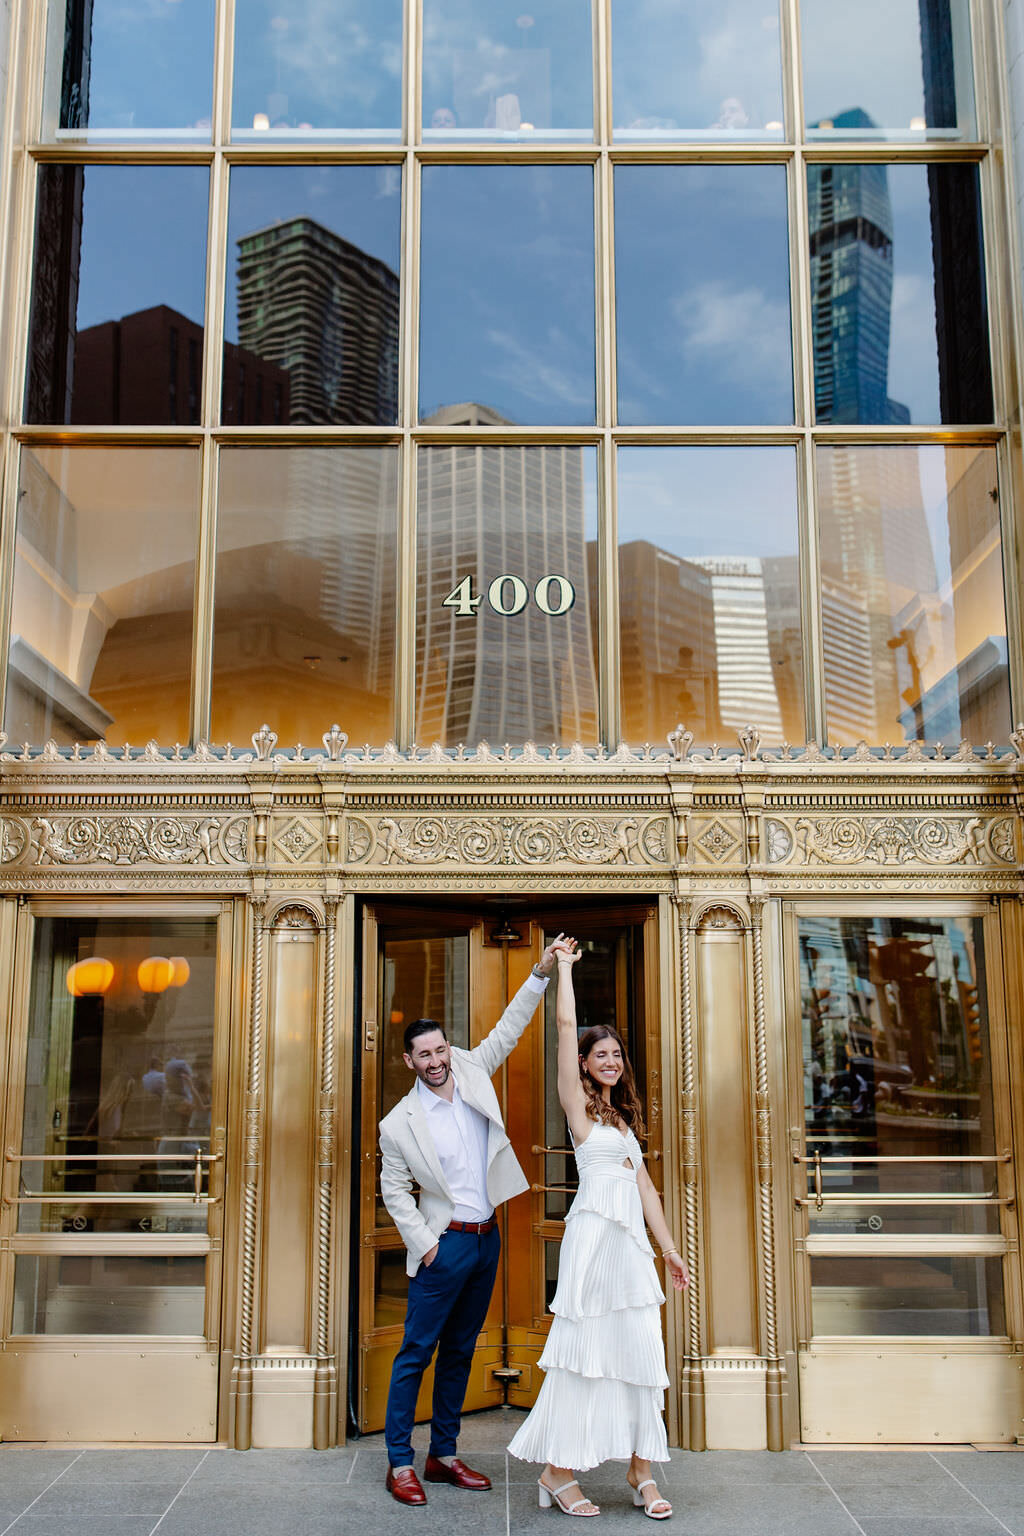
{"points": [[104, 575], [498, 71], [130, 71], [506, 594], [304, 618], [691, 70], [913, 616], [703, 326], [899, 315], [709, 593], [918, 85], [507, 294], [116, 332], [310, 70], [311, 328]]}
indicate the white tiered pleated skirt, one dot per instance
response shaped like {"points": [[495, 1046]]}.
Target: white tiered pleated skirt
{"points": [[604, 1361]]}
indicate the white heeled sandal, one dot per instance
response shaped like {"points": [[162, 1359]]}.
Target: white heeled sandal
{"points": [[651, 1510], [546, 1495]]}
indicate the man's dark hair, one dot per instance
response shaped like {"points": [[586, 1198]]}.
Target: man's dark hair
{"points": [[420, 1027]]}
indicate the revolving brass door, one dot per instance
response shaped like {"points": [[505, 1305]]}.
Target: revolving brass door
{"points": [[462, 969]]}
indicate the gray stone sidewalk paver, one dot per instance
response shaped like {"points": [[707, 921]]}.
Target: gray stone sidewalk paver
{"points": [[211, 1491]]}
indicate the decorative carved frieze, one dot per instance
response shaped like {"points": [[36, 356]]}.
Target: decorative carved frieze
{"points": [[130, 839], [892, 840], [509, 840], [296, 838]]}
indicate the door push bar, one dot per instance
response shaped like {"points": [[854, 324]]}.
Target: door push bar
{"points": [[195, 1161]]}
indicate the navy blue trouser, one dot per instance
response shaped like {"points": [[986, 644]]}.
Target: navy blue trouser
{"points": [[447, 1305]]}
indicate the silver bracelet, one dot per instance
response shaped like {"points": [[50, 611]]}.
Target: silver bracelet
{"points": [[540, 975]]}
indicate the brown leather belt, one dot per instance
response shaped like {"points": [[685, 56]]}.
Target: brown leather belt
{"points": [[479, 1227]]}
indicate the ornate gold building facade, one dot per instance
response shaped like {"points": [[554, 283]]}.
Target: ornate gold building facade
{"points": [[648, 519]]}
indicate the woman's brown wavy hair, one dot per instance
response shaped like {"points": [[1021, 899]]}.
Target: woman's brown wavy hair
{"points": [[625, 1101]]}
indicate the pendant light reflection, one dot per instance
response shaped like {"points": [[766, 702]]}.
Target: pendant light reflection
{"points": [[89, 978], [156, 974]]}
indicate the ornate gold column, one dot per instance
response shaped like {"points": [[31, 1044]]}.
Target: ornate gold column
{"points": [[765, 1208], [733, 1366], [693, 1371], [241, 1375], [325, 1391]]}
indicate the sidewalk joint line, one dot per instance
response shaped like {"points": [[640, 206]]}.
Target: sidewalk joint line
{"points": [[974, 1496], [352, 1468], [39, 1495], [508, 1499], [178, 1495], [836, 1496]]}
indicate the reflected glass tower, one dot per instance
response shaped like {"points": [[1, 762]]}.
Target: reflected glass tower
{"points": [[851, 230], [325, 312]]}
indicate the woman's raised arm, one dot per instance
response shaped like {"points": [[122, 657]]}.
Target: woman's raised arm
{"points": [[570, 1090]]}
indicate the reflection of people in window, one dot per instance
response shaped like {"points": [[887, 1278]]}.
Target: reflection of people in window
{"points": [[732, 114], [444, 118]]}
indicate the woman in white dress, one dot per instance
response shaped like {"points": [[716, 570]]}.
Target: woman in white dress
{"points": [[604, 1361]]}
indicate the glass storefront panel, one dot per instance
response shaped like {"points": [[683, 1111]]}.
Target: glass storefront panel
{"points": [[506, 595], [898, 304], [913, 615], [499, 72], [918, 85], [118, 1076], [118, 295], [689, 70], [304, 611], [702, 310], [896, 1057], [155, 1294], [709, 593], [309, 70], [421, 978], [104, 577], [390, 1289], [507, 295], [912, 1295], [312, 317], [143, 70]]}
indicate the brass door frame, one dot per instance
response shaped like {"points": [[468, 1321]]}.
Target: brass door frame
{"points": [[17, 934], [520, 1335], [1004, 1044]]}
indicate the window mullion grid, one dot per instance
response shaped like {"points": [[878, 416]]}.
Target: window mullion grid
{"points": [[609, 708], [602, 45], [223, 71], [803, 394], [405, 583]]}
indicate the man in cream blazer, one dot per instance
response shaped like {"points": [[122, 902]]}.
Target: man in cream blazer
{"points": [[447, 1137]]}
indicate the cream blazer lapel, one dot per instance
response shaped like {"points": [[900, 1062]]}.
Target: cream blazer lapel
{"points": [[420, 1132]]}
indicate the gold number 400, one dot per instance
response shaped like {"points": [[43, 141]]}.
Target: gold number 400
{"points": [[507, 595]]}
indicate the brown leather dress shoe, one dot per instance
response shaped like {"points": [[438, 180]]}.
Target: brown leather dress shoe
{"points": [[455, 1472], [405, 1486]]}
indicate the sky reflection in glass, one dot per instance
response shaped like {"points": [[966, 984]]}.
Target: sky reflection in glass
{"points": [[138, 70], [702, 295], [918, 85], [318, 68], [116, 332], [683, 69], [498, 71], [507, 291]]}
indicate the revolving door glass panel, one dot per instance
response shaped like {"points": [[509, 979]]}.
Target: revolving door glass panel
{"points": [[905, 1176]]}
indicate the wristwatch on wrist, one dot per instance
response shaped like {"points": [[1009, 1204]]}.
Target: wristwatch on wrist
{"points": [[540, 975]]}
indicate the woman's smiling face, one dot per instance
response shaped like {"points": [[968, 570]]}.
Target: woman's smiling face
{"points": [[604, 1063]]}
